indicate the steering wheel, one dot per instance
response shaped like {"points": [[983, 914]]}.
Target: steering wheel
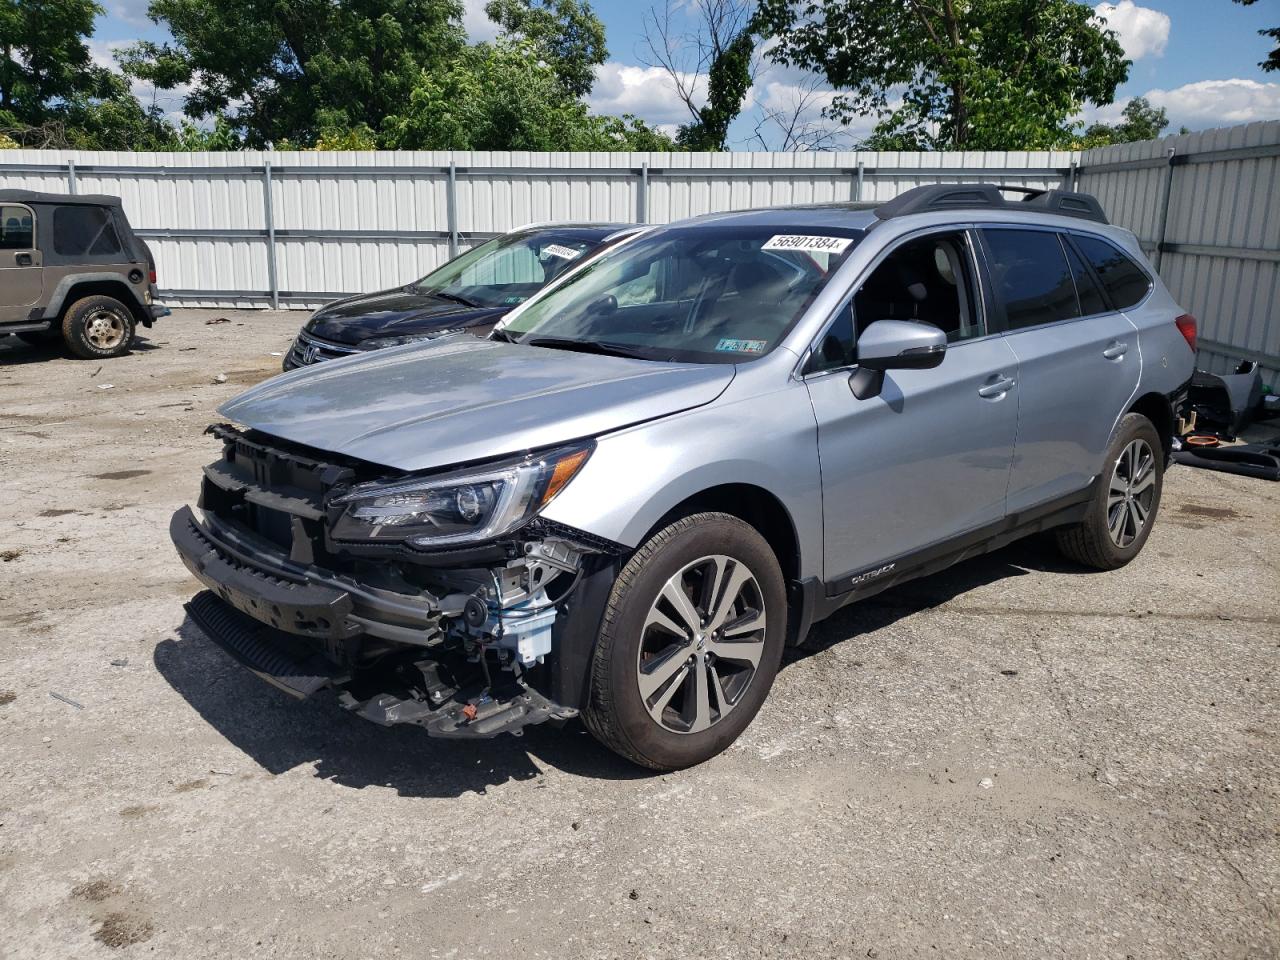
{"points": [[605, 306]]}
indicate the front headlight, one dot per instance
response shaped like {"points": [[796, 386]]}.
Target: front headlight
{"points": [[458, 508], [378, 343]]}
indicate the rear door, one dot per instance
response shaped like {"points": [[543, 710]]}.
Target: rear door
{"points": [[1078, 361], [21, 275], [928, 459]]}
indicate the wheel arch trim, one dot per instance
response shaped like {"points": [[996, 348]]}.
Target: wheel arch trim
{"points": [[71, 288]]}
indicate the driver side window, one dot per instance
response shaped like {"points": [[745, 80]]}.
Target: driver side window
{"points": [[929, 279]]}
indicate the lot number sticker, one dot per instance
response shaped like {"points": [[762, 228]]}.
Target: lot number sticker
{"points": [[564, 253], [787, 241]]}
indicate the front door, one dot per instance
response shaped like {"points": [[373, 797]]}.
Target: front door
{"points": [[928, 459], [21, 273]]}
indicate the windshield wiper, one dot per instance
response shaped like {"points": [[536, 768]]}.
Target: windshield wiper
{"points": [[587, 346], [453, 297], [497, 333]]}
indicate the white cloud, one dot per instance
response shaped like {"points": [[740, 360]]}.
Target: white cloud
{"points": [[790, 96], [1203, 105], [476, 22], [1218, 103], [647, 92], [130, 11], [796, 104], [103, 52], [1143, 32]]}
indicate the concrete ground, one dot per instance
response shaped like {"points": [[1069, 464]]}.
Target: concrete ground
{"points": [[1016, 758]]}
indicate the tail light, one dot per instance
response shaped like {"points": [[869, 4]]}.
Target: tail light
{"points": [[1186, 325], [152, 276]]}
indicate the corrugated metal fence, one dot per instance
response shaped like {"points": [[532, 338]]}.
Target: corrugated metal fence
{"points": [[1206, 207], [257, 228], [295, 229]]}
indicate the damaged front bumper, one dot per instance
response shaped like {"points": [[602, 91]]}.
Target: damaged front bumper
{"points": [[424, 696], [462, 644]]}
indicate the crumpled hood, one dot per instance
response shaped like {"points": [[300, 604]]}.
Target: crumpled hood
{"points": [[393, 313], [460, 399]]}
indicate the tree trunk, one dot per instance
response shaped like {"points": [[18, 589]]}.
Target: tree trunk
{"points": [[960, 116]]}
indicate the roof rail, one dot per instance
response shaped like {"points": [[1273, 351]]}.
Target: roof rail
{"points": [[956, 196]]}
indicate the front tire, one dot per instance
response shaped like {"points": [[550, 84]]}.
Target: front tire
{"points": [[1123, 508], [97, 328], [690, 643]]}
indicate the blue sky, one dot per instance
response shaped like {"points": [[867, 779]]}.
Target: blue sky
{"points": [[1196, 58]]}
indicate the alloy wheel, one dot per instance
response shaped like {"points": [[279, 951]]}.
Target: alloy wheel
{"points": [[1131, 493], [105, 329], [701, 645]]}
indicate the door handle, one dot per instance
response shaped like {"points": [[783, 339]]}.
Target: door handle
{"points": [[996, 387], [1115, 350], [23, 259]]}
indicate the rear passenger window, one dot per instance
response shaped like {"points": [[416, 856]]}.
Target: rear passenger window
{"points": [[1091, 300], [16, 228], [84, 231], [1031, 278], [1124, 280]]}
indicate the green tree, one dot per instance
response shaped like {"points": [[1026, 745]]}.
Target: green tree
{"points": [[728, 80], [1138, 121], [44, 60], [566, 34], [952, 74], [712, 39], [289, 69], [53, 95], [502, 96], [1272, 33], [221, 136], [115, 120]]}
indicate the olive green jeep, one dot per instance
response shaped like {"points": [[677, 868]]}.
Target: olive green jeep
{"points": [[72, 268]]}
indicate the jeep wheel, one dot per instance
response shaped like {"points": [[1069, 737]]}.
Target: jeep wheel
{"points": [[690, 643], [98, 327], [1124, 507]]}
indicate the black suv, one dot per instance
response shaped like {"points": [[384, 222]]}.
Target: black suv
{"points": [[470, 293], [72, 267]]}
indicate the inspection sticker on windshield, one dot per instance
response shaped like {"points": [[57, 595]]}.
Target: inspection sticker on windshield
{"points": [[787, 241], [742, 346], [564, 253]]}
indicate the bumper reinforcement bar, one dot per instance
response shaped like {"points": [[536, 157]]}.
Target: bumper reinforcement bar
{"points": [[308, 609]]}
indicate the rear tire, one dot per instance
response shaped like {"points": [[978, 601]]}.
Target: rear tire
{"points": [[1124, 507], [689, 644], [98, 327]]}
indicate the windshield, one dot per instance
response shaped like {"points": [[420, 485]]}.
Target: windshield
{"points": [[701, 294], [507, 270]]}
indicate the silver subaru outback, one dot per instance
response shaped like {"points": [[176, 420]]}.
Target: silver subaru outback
{"points": [[661, 470]]}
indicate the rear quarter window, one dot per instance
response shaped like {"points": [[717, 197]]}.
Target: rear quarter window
{"points": [[84, 232], [1125, 282]]}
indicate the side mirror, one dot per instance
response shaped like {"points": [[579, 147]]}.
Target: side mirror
{"points": [[894, 345]]}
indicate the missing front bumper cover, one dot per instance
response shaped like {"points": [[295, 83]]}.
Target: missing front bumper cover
{"points": [[289, 663]]}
